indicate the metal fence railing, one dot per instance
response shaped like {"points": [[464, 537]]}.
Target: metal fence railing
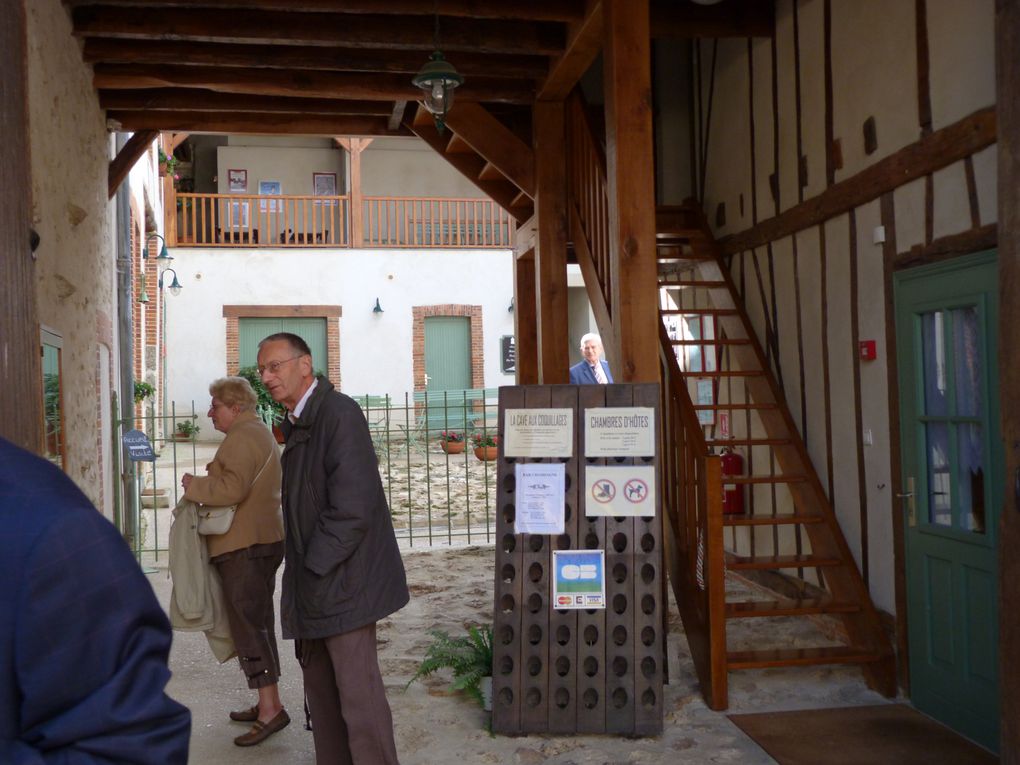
{"points": [[437, 493]]}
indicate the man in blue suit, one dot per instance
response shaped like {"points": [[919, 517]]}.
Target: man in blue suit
{"points": [[83, 640], [592, 370]]}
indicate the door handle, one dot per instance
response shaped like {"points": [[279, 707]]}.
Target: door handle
{"points": [[911, 502]]}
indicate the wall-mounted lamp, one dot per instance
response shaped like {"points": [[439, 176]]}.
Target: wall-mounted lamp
{"points": [[378, 308], [175, 286], [438, 79], [163, 259], [510, 309]]}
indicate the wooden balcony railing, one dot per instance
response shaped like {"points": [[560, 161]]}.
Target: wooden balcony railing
{"points": [[247, 220]]}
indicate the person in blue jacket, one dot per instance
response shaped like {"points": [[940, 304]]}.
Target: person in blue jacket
{"points": [[591, 370], [83, 640]]}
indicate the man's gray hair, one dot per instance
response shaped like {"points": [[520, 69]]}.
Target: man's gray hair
{"points": [[590, 336]]}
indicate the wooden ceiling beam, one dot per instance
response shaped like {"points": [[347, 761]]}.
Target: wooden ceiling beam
{"points": [[273, 82], [584, 41], [495, 143], [250, 122], [729, 18], [526, 10], [397, 115], [370, 31], [197, 100], [109, 50], [121, 165]]}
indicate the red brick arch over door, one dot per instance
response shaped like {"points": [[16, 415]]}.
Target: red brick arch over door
{"points": [[474, 313]]}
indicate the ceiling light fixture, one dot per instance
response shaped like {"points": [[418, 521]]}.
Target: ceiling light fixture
{"points": [[438, 79]]}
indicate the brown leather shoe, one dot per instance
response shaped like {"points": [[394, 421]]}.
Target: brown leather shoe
{"points": [[246, 715], [260, 731]]}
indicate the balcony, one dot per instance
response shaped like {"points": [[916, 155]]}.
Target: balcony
{"points": [[252, 220]]}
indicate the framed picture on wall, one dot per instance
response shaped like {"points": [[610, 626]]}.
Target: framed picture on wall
{"points": [[237, 181], [269, 188], [324, 184]]}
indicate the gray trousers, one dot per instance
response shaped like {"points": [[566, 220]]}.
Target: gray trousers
{"points": [[351, 719], [249, 579]]}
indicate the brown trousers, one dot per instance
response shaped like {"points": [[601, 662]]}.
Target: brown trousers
{"points": [[351, 720], [249, 578]]}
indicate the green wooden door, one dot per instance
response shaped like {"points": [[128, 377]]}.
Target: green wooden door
{"points": [[312, 330], [946, 318], [447, 369]]}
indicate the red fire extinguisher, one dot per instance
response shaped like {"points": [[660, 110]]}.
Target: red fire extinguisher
{"points": [[733, 493]]}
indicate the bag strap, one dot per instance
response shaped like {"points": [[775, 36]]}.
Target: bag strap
{"points": [[268, 459]]}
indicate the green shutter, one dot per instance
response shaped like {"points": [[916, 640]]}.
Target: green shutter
{"points": [[312, 330]]}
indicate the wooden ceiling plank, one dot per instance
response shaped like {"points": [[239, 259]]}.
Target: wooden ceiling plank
{"points": [[525, 10], [584, 41], [495, 143], [194, 99], [248, 122], [729, 18], [178, 52], [378, 87], [121, 165], [367, 31]]}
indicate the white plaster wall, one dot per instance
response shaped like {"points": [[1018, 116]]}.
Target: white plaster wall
{"points": [[961, 50], [408, 167], [70, 153], [375, 349], [291, 162], [874, 73]]}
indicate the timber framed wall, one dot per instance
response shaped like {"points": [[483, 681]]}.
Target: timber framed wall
{"points": [[806, 144]]}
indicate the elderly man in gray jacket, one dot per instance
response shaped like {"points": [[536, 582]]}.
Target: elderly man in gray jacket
{"points": [[343, 568]]}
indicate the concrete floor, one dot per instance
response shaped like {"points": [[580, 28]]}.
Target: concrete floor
{"points": [[451, 588]]}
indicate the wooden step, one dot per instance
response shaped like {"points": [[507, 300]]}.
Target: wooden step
{"points": [[731, 373], [796, 657], [717, 341], [770, 562], [744, 479], [747, 609], [737, 407], [697, 311], [713, 284], [747, 441], [780, 519]]}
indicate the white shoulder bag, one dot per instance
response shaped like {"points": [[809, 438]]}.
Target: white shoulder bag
{"points": [[213, 520]]}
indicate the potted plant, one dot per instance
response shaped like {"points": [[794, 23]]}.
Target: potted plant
{"points": [[451, 441], [167, 163], [186, 430], [486, 446], [267, 408], [468, 656], [143, 390]]}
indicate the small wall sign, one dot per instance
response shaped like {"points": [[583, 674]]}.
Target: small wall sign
{"points": [[579, 579], [138, 446]]}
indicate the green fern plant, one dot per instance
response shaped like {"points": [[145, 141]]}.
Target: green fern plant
{"points": [[468, 656]]}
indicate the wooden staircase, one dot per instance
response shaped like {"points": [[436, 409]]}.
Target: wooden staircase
{"points": [[788, 530]]}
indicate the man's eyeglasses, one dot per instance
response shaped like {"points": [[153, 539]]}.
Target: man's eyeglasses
{"points": [[274, 366]]}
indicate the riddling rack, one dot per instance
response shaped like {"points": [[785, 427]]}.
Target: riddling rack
{"points": [[578, 671]]}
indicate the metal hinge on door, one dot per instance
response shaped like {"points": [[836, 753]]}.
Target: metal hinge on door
{"points": [[911, 503]]}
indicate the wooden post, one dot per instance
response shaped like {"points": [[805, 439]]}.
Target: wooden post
{"points": [[170, 198], [551, 252], [1007, 33], [354, 147], [525, 342], [21, 416], [630, 175]]}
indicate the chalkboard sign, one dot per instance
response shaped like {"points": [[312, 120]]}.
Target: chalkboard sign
{"points": [[138, 446], [508, 354]]}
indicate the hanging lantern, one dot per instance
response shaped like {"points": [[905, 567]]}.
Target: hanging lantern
{"points": [[438, 79]]}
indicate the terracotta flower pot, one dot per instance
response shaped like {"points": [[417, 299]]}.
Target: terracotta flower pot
{"points": [[452, 447], [486, 453]]}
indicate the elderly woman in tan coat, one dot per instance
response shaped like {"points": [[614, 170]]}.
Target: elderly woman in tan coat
{"points": [[246, 470]]}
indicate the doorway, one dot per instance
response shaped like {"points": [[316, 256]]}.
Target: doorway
{"points": [[447, 368], [952, 463]]}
